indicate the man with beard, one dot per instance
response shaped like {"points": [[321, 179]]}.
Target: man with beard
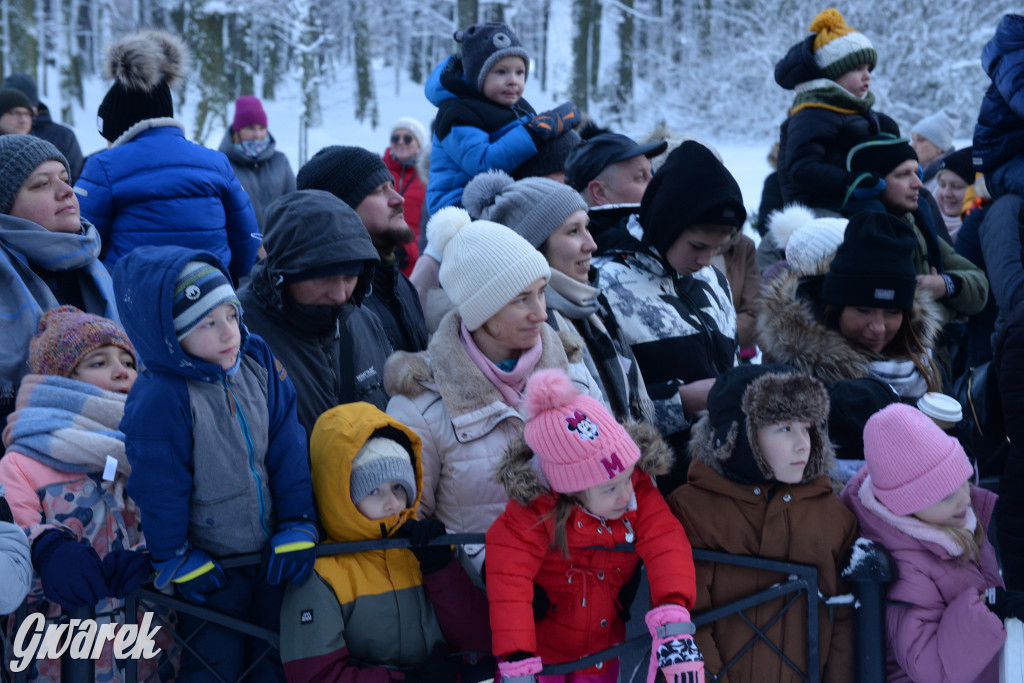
{"points": [[360, 178], [304, 300]]}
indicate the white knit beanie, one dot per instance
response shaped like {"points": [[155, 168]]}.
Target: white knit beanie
{"points": [[413, 126], [810, 242], [938, 129], [484, 265]]}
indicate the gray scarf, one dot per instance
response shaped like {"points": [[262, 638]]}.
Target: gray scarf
{"points": [[573, 299]]}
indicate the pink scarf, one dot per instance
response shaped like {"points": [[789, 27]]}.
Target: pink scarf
{"points": [[510, 384]]}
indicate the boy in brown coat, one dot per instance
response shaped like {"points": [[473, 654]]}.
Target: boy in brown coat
{"points": [[759, 484]]}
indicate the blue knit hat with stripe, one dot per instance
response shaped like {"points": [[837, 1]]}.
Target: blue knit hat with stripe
{"points": [[199, 289]]}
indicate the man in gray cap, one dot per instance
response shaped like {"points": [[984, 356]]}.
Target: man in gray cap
{"points": [[611, 172], [359, 178], [43, 126]]}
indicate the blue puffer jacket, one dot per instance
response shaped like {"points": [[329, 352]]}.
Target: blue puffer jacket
{"points": [[999, 134], [471, 135], [186, 418], [156, 187]]}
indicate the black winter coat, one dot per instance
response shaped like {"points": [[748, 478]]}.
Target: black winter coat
{"points": [[1008, 367], [61, 137]]}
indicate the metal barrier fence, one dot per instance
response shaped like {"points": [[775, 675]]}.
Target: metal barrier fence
{"points": [[866, 577]]}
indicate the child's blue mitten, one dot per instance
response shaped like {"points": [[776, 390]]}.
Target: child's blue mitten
{"points": [[70, 571], [867, 186], [194, 573], [126, 570], [292, 553]]}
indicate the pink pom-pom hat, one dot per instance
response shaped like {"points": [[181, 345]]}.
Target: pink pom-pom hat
{"points": [[579, 444]]}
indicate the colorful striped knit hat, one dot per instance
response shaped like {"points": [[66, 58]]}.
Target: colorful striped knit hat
{"points": [[200, 288], [67, 335], [838, 48]]}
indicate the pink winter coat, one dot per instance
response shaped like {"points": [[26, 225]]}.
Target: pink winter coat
{"points": [[940, 631]]}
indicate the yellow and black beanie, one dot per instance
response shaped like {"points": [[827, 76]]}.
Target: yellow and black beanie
{"points": [[838, 48]]}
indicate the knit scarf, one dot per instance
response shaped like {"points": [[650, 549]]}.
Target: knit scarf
{"points": [[912, 526], [68, 425], [25, 296], [826, 93], [902, 375], [573, 299], [509, 384]]}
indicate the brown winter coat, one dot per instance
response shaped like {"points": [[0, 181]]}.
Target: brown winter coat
{"points": [[745, 282], [802, 523]]}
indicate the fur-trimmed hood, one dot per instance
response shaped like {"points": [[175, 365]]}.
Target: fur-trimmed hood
{"points": [[789, 330], [446, 368], [523, 482]]}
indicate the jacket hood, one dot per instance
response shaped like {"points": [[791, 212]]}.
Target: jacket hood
{"points": [[1009, 37], [447, 81], [337, 437], [227, 147], [306, 230], [144, 289], [523, 483], [798, 66], [789, 330], [748, 397]]}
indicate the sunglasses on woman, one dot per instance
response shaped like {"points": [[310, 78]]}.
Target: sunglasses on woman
{"points": [[395, 139]]}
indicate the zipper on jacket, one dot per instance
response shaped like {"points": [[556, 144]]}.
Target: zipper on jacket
{"points": [[244, 424]]}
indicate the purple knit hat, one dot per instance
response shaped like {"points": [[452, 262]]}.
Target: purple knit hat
{"points": [[66, 335], [578, 443], [912, 462], [248, 112]]}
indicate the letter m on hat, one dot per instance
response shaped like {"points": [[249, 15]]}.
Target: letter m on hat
{"points": [[613, 465]]}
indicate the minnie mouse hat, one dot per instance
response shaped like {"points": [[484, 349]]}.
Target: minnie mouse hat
{"points": [[578, 443]]}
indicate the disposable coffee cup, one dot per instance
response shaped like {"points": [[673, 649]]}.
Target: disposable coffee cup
{"points": [[944, 410]]}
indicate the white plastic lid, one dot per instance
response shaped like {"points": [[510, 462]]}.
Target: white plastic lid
{"points": [[940, 407]]}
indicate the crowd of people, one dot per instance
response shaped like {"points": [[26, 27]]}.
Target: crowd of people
{"points": [[520, 325]]}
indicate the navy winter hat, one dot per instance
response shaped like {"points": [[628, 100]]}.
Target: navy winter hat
{"points": [[26, 84], [961, 163], [588, 159], [483, 46], [349, 173], [874, 266]]}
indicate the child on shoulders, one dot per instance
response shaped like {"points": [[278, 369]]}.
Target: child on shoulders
{"points": [[831, 112], [483, 122], [219, 464], [599, 491]]}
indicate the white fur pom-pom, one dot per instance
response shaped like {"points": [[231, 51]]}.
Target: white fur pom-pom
{"points": [[782, 224], [444, 224]]}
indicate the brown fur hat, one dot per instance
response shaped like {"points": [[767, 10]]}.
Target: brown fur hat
{"points": [[748, 397]]}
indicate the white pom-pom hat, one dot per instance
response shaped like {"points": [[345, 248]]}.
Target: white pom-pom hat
{"points": [[809, 242], [578, 443], [484, 265]]}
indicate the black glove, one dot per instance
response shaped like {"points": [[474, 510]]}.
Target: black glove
{"points": [[126, 570], [1004, 603], [5, 511], [70, 571], [550, 124], [419, 532], [437, 669], [541, 602]]}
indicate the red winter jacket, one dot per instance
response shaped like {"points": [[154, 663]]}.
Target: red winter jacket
{"points": [[412, 189], [584, 614]]}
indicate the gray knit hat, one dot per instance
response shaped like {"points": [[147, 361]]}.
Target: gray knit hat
{"points": [[200, 288], [533, 207], [378, 461], [349, 173], [20, 155]]}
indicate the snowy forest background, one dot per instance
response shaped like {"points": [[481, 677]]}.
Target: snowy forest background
{"points": [[702, 67]]}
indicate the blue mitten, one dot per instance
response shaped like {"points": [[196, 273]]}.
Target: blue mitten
{"points": [[126, 570], [551, 124], [70, 571], [867, 186], [292, 553], [194, 573]]}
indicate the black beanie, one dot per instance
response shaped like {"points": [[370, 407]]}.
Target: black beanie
{"points": [[874, 266], [349, 173], [550, 158], [483, 46], [691, 188], [11, 98], [961, 163], [26, 84], [853, 402], [881, 154], [144, 66]]}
